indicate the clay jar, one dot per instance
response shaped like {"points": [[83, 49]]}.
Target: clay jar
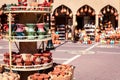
{"points": [[47, 54], [27, 58], [18, 60], [37, 59], [30, 30], [20, 30], [6, 58], [40, 31]]}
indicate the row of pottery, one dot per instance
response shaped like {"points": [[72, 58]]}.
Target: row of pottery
{"points": [[60, 72], [31, 30], [27, 59]]}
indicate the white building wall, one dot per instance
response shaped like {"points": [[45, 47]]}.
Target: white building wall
{"points": [[74, 5]]}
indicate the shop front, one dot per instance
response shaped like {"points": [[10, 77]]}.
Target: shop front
{"points": [[63, 21]]}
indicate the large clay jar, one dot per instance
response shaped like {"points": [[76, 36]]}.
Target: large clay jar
{"points": [[30, 30], [41, 32]]}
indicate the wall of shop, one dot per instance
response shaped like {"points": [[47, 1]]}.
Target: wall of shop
{"points": [[97, 5]]}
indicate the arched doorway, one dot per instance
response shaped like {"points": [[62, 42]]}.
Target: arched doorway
{"points": [[108, 14], [85, 15], [63, 19]]}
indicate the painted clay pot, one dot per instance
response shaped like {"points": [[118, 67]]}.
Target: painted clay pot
{"points": [[47, 54], [30, 30], [41, 32]]}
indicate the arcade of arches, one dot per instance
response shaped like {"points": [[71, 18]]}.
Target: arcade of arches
{"points": [[63, 15]]}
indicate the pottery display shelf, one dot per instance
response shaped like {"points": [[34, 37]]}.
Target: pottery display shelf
{"points": [[23, 40]]}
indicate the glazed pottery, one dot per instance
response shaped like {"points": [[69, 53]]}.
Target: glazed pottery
{"points": [[40, 31], [20, 31], [30, 30]]}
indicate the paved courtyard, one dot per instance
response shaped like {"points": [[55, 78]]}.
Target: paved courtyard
{"points": [[92, 62]]}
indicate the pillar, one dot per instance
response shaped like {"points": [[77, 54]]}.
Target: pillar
{"points": [[74, 25], [119, 20], [96, 20]]}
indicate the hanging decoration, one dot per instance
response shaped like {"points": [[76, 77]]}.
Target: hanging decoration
{"points": [[56, 13], [116, 17], [112, 11], [89, 10], [62, 10], [81, 10], [104, 11], [115, 13], [70, 14], [78, 13], [108, 9], [93, 13], [85, 8], [67, 12]]}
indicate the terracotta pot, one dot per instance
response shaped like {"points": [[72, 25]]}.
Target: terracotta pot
{"points": [[89, 42], [27, 57], [19, 60], [27, 63], [47, 54], [6, 55], [18, 56], [40, 77], [37, 60]]}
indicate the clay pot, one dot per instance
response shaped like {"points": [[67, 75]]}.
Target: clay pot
{"points": [[47, 54], [40, 77], [89, 42], [37, 60], [27, 63], [27, 57], [6, 55], [18, 60], [45, 76]]}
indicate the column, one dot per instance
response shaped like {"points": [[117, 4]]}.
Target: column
{"points": [[119, 20], [96, 20], [74, 25]]}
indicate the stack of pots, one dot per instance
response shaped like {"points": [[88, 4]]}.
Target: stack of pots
{"points": [[28, 59], [62, 72], [38, 76], [9, 76]]}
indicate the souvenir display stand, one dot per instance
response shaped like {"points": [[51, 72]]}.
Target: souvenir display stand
{"points": [[27, 44]]}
